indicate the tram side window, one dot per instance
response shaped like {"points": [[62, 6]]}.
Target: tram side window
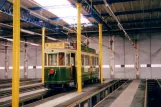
{"points": [[61, 59], [93, 60], [86, 60], [52, 59], [68, 59], [73, 59], [96, 60]]}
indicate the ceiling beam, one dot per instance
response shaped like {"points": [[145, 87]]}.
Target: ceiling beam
{"points": [[26, 16], [2, 3], [137, 21], [134, 12], [117, 13], [92, 11], [110, 23], [138, 11]]}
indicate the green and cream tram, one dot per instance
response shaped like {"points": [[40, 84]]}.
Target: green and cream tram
{"points": [[60, 65]]}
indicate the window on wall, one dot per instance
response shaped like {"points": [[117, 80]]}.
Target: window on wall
{"points": [[52, 59], [68, 59], [61, 59]]}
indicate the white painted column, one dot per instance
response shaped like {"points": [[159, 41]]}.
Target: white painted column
{"points": [[137, 59], [25, 61], [112, 59], [6, 61]]}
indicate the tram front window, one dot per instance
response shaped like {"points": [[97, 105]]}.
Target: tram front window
{"points": [[61, 59], [52, 60]]}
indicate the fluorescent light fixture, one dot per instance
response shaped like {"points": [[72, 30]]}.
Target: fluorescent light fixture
{"points": [[51, 38], [33, 44], [64, 12]]}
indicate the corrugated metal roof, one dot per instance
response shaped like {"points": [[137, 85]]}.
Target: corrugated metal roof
{"points": [[131, 14]]}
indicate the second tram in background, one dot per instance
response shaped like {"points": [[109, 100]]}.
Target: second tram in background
{"points": [[61, 65]]}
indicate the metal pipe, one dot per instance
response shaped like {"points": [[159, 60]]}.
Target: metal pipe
{"points": [[29, 32], [100, 52], [109, 10], [79, 61], [16, 54], [11, 40]]}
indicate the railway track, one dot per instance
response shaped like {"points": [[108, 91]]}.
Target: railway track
{"points": [[27, 88], [26, 82], [41, 96], [5, 81], [153, 93]]}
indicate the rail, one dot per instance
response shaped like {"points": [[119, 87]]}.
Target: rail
{"points": [[94, 98]]}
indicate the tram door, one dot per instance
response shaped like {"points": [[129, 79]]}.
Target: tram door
{"points": [[73, 66]]}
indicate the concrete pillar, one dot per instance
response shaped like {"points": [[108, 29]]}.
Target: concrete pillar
{"points": [[112, 59]]}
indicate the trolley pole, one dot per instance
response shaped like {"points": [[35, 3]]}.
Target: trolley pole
{"points": [[100, 52], [79, 61], [43, 58], [16, 54]]}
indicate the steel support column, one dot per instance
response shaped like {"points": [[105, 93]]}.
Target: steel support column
{"points": [[100, 52], [16, 53], [79, 61], [43, 57]]}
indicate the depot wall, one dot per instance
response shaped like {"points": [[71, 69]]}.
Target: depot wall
{"points": [[149, 52], [34, 60], [124, 54]]}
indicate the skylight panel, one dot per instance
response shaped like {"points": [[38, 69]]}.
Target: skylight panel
{"points": [[68, 13]]}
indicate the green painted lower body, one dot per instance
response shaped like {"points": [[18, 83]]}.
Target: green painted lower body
{"points": [[63, 76]]}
